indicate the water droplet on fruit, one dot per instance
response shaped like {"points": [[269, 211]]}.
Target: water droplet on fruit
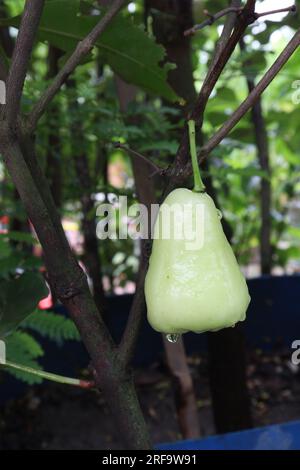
{"points": [[172, 337], [220, 215]]}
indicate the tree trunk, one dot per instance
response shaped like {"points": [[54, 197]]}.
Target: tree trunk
{"points": [[227, 370], [227, 363]]}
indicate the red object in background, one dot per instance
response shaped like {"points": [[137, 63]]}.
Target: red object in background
{"points": [[4, 221], [46, 303]]}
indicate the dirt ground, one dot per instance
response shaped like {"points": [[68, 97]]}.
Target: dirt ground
{"points": [[59, 417]]}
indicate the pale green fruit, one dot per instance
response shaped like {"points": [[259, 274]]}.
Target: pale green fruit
{"points": [[193, 288]]}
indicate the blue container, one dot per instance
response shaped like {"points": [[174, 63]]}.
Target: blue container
{"points": [[277, 437]]}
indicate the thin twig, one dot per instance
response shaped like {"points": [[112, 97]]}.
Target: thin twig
{"points": [[212, 19], [291, 9], [22, 51], [224, 49], [252, 97], [82, 49], [157, 169]]}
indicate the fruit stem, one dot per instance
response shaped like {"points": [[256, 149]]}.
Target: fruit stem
{"points": [[198, 183], [47, 375]]}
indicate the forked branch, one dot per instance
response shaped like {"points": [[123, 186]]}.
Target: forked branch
{"points": [[81, 51], [252, 97], [226, 11]]}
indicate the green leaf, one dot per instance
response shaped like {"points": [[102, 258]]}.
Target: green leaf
{"points": [[294, 231], [129, 51], [5, 248], [19, 237], [19, 298], [52, 325], [226, 95], [223, 172], [216, 118], [22, 348], [10, 264], [282, 148]]}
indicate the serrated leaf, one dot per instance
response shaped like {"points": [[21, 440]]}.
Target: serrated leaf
{"points": [[18, 298], [52, 325], [21, 348], [129, 51]]}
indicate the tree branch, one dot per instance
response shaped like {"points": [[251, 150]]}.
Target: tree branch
{"points": [[291, 9], [22, 51], [212, 19], [134, 153], [226, 11], [225, 47], [82, 49], [252, 97]]}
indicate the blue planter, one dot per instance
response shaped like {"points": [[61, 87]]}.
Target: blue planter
{"points": [[277, 437]]}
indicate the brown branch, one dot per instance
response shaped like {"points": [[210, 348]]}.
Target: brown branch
{"points": [[212, 19], [252, 97], [291, 9], [82, 49], [134, 153], [22, 51], [224, 49], [226, 11]]}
